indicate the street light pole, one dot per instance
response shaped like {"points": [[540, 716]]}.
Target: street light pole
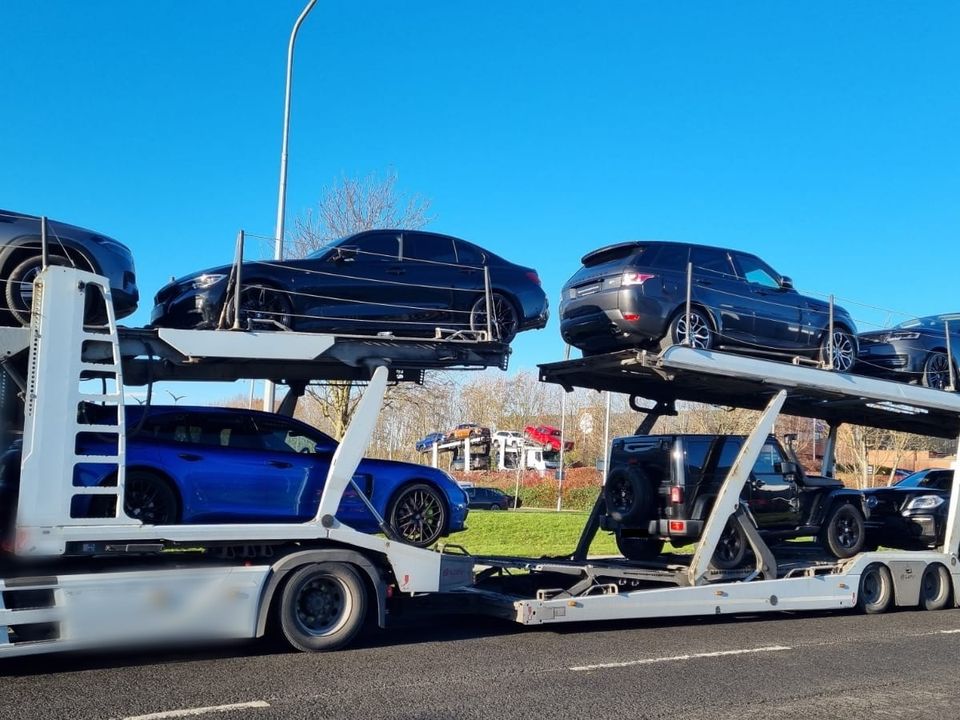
{"points": [[269, 389]]}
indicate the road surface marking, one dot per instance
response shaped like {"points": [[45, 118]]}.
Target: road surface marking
{"points": [[678, 658], [194, 712], [949, 632]]}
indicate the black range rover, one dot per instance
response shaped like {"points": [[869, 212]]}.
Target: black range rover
{"points": [[634, 295]]}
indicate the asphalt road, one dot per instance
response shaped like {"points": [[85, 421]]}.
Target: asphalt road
{"points": [[783, 666]]}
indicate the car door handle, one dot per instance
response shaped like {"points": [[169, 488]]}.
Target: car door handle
{"points": [[279, 464], [704, 282], [190, 457], [395, 271]]}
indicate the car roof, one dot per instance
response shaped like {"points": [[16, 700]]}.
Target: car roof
{"points": [[645, 243]]}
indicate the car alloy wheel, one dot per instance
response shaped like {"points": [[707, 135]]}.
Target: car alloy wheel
{"points": [[260, 307], [149, 499], [699, 335], [19, 291], [731, 548], [505, 323], [936, 371], [844, 353], [419, 515]]}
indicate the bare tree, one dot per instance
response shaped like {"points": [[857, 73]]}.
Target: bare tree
{"points": [[349, 206]]}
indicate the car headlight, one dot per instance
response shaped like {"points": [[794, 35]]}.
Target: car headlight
{"points": [[925, 502], [204, 281]]}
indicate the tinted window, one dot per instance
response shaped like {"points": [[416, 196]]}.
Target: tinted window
{"points": [[227, 431], [767, 462], [670, 257], [377, 248], [728, 455], [468, 254], [711, 261], [941, 480], [281, 437], [695, 452], [755, 271], [171, 428], [429, 247]]}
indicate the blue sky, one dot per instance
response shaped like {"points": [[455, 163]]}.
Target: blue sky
{"points": [[822, 136]]}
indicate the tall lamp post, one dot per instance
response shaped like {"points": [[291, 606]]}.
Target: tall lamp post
{"points": [[269, 389]]}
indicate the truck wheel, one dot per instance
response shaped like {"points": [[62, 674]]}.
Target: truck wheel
{"points": [[322, 607], [843, 531], [731, 549], [935, 587], [639, 548], [628, 495], [876, 590]]}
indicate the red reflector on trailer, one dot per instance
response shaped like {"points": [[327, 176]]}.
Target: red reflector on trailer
{"points": [[678, 526], [676, 494]]}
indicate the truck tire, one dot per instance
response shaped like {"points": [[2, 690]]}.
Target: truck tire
{"points": [[876, 590], [322, 607], [843, 532], [628, 495], [639, 548], [935, 587]]}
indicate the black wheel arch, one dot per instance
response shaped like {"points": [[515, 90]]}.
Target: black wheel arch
{"points": [[828, 501], [281, 570], [15, 251]]}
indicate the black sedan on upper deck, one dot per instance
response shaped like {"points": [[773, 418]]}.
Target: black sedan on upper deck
{"points": [[21, 261], [634, 295], [914, 351], [399, 281]]}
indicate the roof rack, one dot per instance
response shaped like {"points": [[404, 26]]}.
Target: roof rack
{"points": [[718, 378]]}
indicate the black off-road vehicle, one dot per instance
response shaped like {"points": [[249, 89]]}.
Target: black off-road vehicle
{"points": [[662, 488]]}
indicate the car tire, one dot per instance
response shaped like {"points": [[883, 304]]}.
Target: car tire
{"points": [[844, 350], [628, 495], [496, 507], [19, 299], [703, 334], [322, 607], [506, 321], [263, 304], [731, 550], [150, 498], [936, 587], [418, 514], [639, 548], [936, 371], [875, 592], [843, 533]]}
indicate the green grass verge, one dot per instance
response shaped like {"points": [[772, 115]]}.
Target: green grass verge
{"points": [[530, 533]]}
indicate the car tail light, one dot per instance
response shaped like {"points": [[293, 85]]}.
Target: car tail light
{"points": [[676, 494], [631, 277], [532, 275], [678, 526], [631, 317]]}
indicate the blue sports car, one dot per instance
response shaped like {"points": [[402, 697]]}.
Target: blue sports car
{"points": [[428, 441], [222, 465]]}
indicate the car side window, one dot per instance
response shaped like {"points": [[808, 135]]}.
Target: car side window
{"points": [[172, 428], [468, 254], [766, 463], [695, 452], [940, 480], [669, 257], [728, 456], [711, 261], [755, 271], [379, 247], [228, 432], [434, 248]]}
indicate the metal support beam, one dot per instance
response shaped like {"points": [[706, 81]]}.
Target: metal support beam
{"points": [[728, 499], [353, 447], [951, 539], [289, 404], [830, 452]]}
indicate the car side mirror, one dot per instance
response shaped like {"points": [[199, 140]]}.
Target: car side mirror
{"points": [[786, 283], [786, 467]]}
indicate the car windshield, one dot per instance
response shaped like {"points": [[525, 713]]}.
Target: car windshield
{"points": [[930, 321], [923, 478]]}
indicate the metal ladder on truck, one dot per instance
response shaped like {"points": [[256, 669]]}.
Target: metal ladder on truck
{"points": [[76, 579]]}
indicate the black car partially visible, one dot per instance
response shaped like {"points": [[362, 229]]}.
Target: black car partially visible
{"points": [[398, 281], [21, 259], [911, 513], [914, 351], [481, 498], [634, 295]]}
